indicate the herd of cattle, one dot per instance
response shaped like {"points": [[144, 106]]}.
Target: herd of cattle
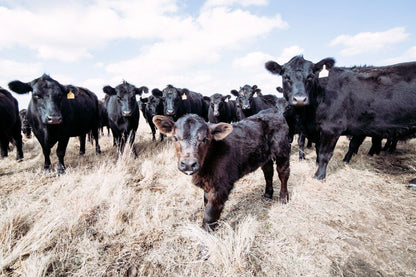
{"points": [[218, 140]]}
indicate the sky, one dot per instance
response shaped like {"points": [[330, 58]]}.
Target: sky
{"points": [[210, 46]]}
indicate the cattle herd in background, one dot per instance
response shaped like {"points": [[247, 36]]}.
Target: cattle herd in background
{"points": [[219, 138]]}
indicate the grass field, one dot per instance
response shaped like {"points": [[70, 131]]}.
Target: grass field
{"points": [[142, 217]]}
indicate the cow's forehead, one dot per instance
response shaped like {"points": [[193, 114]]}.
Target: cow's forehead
{"points": [[298, 65], [124, 88], [190, 127]]}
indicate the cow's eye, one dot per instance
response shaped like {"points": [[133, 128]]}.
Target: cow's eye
{"points": [[204, 140], [287, 78], [310, 77], [36, 96]]}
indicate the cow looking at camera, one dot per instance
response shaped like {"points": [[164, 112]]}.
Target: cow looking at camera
{"points": [[57, 112], [217, 155], [370, 101], [123, 114]]}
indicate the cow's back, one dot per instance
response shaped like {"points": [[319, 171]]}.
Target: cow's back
{"points": [[370, 101]]}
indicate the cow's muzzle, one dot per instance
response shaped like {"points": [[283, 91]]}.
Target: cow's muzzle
{"points": [[170, 112], [188, 167], [52, 120], [300, 101], [126, 113], [246, 107]]}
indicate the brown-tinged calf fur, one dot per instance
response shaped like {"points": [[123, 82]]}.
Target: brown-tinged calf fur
{"points": [[217, 155]]}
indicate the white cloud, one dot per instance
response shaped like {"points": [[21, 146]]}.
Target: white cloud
{"points": [[252, 60], [212, 33], [367, 42], [244, 3], [69, 32], [289, 53], [12, 70], [408, 56]]}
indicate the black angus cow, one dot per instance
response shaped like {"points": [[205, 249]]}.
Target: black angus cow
{"points": [[26, 129], [251, 105], [123, 112], [221, 108], [10, 124], [153, 106], [178, 102], [217, 155], [371, 101], [57, 112]]}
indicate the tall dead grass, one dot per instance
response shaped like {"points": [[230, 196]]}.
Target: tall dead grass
{"points": [[141, 217]]}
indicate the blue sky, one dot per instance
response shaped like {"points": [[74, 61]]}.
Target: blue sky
{"points": [[209, 46]]}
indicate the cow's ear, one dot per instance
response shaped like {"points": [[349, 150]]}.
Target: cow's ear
{"points": [[226, 98], [164, 124], [184, 93], [20, 87], [109, 90], [279, 89], [206, 99], [144, 100], [328, 62], [141, 90], [234, 92], [157, 92], [221, 130], [274, 67]]}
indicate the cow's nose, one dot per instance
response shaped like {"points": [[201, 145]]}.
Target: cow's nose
{"points": [[246, 107], [54, 119], [126, 113], [188, 167], [300, 100], [169, 112]]}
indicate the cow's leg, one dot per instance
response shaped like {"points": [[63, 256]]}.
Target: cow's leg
{"points": [[82, 144], [355, 143], [46, 149], [213, 208], [309, 145], [301, 143], [17, 135], [4, 144], [131, 141], [393, 145], [152, 127], [268, 176], [95, 135], [162, 136], [283, 170], [326, 150], [60, 152], [375, 146]]}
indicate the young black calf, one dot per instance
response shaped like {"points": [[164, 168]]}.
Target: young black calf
{"points": [[217, 155]]}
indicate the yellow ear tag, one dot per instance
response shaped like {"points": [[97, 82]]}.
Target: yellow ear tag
{"points": [[324, 72], [184, 97], [70, 95]]}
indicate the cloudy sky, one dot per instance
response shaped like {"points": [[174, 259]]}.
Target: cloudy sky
{"points": [[209, 46]]}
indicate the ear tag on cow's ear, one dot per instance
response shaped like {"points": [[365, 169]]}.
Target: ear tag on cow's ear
{"points": [[324, 72], [184, 97], [70, 95]]}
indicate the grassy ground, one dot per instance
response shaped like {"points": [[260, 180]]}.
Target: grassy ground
{"points": [[141, 217]]}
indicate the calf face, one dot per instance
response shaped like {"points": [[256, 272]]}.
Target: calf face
{"points": [[126, 96], [192, 139], [299, 77], [245, 96], [47, 96]]}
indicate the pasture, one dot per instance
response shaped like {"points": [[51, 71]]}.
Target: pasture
{"points": [[142, 217]]}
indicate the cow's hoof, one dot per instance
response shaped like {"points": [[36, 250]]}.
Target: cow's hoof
{"points": [[267, 197]]}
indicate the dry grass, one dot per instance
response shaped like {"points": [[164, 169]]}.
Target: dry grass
{"points": [[141, 217]]}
